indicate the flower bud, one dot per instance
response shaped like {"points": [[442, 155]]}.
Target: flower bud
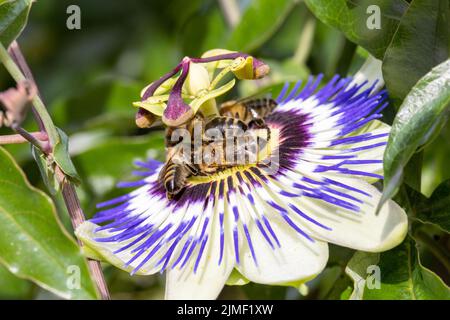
{"points": [[260, 69], [144, 118], [249, 68], [177, 111]]}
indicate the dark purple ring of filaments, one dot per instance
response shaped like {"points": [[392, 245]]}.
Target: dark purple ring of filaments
{"points": [[356, 109]]}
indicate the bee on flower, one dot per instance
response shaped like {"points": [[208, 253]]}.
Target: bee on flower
{"points": [[319, 150]]}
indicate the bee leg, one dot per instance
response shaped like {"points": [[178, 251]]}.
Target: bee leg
{"points": [[192, 169], [257, 123]]}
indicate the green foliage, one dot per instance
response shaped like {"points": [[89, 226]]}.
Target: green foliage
{"points": [[62, 157], [351, 18], [13, 17], [411, 38], [357, 270], [421, 116], [47, 170], [258, 23], [12, 287], [436, 209], [402, 277], [117, 156], [435, 156], [33, 244], [90, 77], [424, 49]]}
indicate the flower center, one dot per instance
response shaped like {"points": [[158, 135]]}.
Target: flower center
{"points": [[264, 156]]}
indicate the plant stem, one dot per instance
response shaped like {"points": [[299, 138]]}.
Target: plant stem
{"points": [[305, 41], [39, 106], [77, 218], [19, 59], [18, 138], [68, 189], [44, 147]]}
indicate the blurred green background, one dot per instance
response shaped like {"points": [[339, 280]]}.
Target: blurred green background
{"points": [[90, 77]]}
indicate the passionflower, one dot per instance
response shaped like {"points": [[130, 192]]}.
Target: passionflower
{"points": [[272, 226]]}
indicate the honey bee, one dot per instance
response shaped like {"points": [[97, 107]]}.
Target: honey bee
{"points": [[223, 139], [179, 157], [250, 111]]}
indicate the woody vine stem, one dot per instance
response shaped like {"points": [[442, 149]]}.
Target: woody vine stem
{"points": [[18, 68]]}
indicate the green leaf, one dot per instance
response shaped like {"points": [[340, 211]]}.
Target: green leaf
{"points": [[352, 18], [341, 289], [404, 278], [62, 157], [421, 115], [103, 164], [217, 30], [258, 23], [102, 103], [12, 287], [436, 209], [46, 170], [435, 162], [358, 270], [195, 40], [33, 244], [420, 43], [401, 276], [13, 18], [326, 49], [295, 37]]}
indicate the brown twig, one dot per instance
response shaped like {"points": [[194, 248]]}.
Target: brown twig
{"points": [[44, 146], [17, 138], [77, 218], [68, 189], [19, 59]]}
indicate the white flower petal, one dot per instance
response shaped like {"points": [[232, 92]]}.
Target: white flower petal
{"points": [[370, 71], [105, 250], [359, 229], [210, 276], [296, 260], [370, 231]]}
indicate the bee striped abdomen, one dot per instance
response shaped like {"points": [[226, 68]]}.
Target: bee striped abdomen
{"points": [[248, 110], [174, 177]]}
